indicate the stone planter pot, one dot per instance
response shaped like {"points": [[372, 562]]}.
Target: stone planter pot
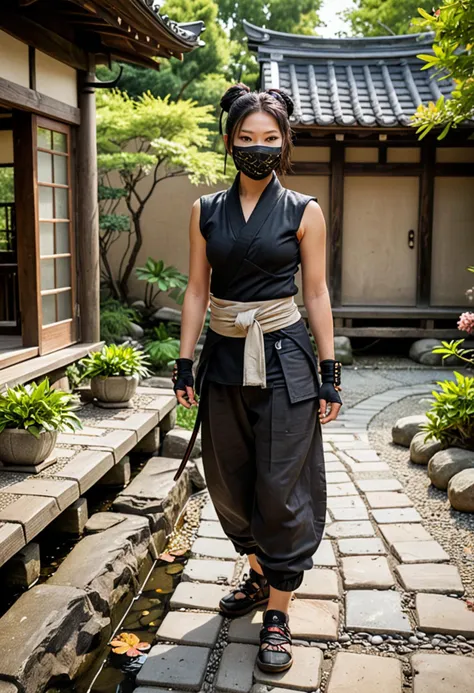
{"points": [[115, 389], [21, 447]]}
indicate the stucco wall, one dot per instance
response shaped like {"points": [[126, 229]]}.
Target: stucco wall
{"points": [[13, 60], [6, 147], [56, 79]]}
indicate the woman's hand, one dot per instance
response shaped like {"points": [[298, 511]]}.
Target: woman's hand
{"points": [[183, 381], [334, 409], [186, 397]]}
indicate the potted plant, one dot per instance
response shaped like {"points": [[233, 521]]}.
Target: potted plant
{"points": [[31, 416], [114, 373]]}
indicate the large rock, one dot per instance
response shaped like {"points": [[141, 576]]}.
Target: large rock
{"points": [[461, 491], [176, 442], [422, 351], [447, 463], [166, 315], [343, 350], [406, 428], [421, 452], [49, 632], [136, 331], [107, 564], [155, 494]]}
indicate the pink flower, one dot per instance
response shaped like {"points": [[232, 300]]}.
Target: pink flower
{"points": [[466, 322]]}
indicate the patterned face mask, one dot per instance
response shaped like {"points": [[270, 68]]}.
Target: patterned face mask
{"points": [[256, 161]]}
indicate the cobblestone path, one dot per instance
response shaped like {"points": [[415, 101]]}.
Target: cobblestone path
{"points": [[382, 611]]}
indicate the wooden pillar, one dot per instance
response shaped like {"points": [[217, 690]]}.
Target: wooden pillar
{"points": [[425, 223], [335, 225], [88, 212]]}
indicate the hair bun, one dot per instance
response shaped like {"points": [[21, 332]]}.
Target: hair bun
{"points": [[286, 98], [232, 94]]}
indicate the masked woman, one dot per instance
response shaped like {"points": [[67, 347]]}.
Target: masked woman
{"points": [[261, 402]]}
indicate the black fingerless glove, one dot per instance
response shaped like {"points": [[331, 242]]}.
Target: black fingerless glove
{"points": [[331, 380], [183, 374]]}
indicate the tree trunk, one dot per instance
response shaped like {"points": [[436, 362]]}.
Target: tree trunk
{"points": [[136, 220]]}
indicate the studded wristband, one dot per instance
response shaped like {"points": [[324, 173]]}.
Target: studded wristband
{"points": [[331, 372]]}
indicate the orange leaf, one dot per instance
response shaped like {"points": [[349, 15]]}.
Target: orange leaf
{"points": [[116, 643], [121, 650], [132, 652], [168, 558]]}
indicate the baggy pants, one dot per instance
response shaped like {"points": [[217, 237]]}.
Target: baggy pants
{"points": [[264, 465]]}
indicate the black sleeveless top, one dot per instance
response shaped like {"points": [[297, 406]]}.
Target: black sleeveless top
{"points": [[254, 260]]}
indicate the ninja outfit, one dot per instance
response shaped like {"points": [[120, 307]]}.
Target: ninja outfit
{"points": [[262, 447]]}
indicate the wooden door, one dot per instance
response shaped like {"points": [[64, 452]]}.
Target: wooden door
{"points": [[380, 218]]}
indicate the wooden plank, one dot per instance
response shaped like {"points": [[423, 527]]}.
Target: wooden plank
{"points": [[335, 221], [87, 467], [12, 540], [117, 442], [42, 365], [454, 169], [369, 311], [425, 224], [415, 332], [163, 405], [310, 168], [389, 169], [64, 491], [9, 358], [34, 513], [43, 39], [16, 96]]}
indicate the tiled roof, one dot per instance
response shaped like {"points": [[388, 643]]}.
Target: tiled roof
{"points": [[351, 81]]}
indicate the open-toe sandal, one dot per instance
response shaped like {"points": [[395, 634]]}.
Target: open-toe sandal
{"points": [[253, 591], [275, 643]]}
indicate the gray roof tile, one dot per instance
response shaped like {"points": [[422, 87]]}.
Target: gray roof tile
{"points": [[354, 81]]}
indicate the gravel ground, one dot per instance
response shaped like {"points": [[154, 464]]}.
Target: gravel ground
{"points": [[454, 530]]}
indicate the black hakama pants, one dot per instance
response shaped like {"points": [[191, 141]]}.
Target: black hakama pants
{"points": [[264, 465]]}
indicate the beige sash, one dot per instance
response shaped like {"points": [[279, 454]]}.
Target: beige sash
{"points": [[251, 319]]}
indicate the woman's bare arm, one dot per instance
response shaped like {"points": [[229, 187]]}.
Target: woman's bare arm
{"points": [[315, 290], [196, 298]]}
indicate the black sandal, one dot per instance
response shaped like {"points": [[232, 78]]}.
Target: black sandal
{"points": [[256, 591], [275, 635]]}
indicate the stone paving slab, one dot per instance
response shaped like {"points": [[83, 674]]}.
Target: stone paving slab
{"points": [[360, 673], [324, 556], [319, 584], [117, 442], [396, 515], [179, 666], [359, 468], [366, 572], [351, 529], [437, 673], [337, 477], [376, 611], [212, 530], [162, 404], [190, 628], [346, 502], [304, 675], [347, 514], [246, 629], [139, 421], [364, 455], [388, 499], [197, 570], [235, 674], [34, 513], [87, 467], [379, 485], [194, 595], [214, 548], [12, 540], [408, 531], [209, 512], [334, 466], [437, 613], [419, 551], [361, 547], [430, 577], [63, 491], [347, 489]]}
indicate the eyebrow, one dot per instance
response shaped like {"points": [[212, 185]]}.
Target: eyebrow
{"points": [[265, 133]]}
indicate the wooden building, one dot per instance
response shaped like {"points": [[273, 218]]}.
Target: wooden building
{"points": [[49, 243], [401, 211]]}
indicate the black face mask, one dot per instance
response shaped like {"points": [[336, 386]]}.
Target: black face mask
{"points": [[256, 161]]}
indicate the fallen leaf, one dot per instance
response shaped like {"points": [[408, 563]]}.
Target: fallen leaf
{"points": [[143, 646], [168, 558], [122, 649], [145, 613], [133, 652], [178, 552], [174, 569]]}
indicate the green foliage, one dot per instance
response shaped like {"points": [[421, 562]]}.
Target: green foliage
{"points": [[380, 18], [453, 348], [7, 191], [451, 418], [115, 359], [453, 24], [162, 348], [114, 222], [74, 374], [38, 408], [186, 418], [115, 319], [160, 278]]}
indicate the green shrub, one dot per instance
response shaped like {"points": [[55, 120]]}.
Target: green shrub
{"points": [[451, 418], [38, 408], [186, 418], [160, 278], [161, 347], [115, 319], [115, 359]]}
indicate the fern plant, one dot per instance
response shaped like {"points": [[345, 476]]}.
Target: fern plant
{"points": [[451, 418], [160, 278], [115, 319], [38, 408], [113, 360], [161, 347]]}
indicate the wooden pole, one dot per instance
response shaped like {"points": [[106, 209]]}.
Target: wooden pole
{"points": [[335, 223], [425, 223], [88, 212]]}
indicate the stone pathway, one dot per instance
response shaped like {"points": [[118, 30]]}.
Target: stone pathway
{"points": [[382, 610]]}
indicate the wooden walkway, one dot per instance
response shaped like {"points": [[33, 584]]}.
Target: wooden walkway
{"points": [[30, 502]]}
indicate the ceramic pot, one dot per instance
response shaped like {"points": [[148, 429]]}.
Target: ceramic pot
{"points": [[18, 446], [114, 388]]}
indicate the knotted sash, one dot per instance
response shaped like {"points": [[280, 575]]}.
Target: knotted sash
{"points": [[250, 320]]}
